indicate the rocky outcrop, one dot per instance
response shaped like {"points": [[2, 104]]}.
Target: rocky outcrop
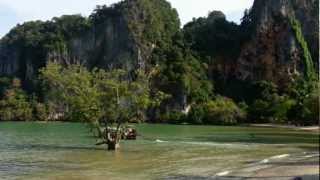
{"points": [[122, 35], [273, 52]]}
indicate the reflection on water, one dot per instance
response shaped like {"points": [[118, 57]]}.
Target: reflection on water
{"points": [[65, 151]]}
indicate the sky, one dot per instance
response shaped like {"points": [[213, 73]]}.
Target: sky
{"points": [[13, 12]]}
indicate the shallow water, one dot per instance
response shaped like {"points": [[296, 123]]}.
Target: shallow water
{"points": [[66, 151]]}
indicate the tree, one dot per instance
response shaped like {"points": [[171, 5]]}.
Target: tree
{"points": [[123, 98], [105, 100], [71, 92]]}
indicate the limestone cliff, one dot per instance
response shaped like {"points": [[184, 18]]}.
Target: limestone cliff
{"points": [[273, 51], [123, 34]]}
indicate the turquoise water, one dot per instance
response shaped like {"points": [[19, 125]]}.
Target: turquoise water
{"points": [[66, 151]]}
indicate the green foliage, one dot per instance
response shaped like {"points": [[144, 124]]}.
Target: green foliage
{"points": [[259, 111], [71, 92], [265, 90], [220, 111], [41, 112], [71, 26], [268, 105], [36, 34], [14, 106], [280, 109], [311, 107], [123, 99], [310, 72], [223, 111], [265, 95], [160, 24], [276, 110]]}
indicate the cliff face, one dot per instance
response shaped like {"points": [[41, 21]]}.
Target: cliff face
{"points": [[104, 45], [7, 66], [122, 35], [107, 44], [273, 51]]}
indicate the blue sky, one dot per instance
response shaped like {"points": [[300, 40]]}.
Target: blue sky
{"points": [[13, 12]]}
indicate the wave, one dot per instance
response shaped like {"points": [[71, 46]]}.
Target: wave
{"points": [[160, 141], [274, 157], [280, 156], [264, 161], [224, 173]]}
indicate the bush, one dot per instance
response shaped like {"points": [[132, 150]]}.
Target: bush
{"points": [[197, 114], [259, 111], [306, 110], [281, 108], [14, 106], [223, 111], [244, 110], [311, 103], [274, 110], [41, 112]]}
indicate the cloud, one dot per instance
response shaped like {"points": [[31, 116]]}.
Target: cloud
{"points": [[18, 11]]}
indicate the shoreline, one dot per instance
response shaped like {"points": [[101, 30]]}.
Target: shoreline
{"points": [[262, 125], [304, 128]]}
